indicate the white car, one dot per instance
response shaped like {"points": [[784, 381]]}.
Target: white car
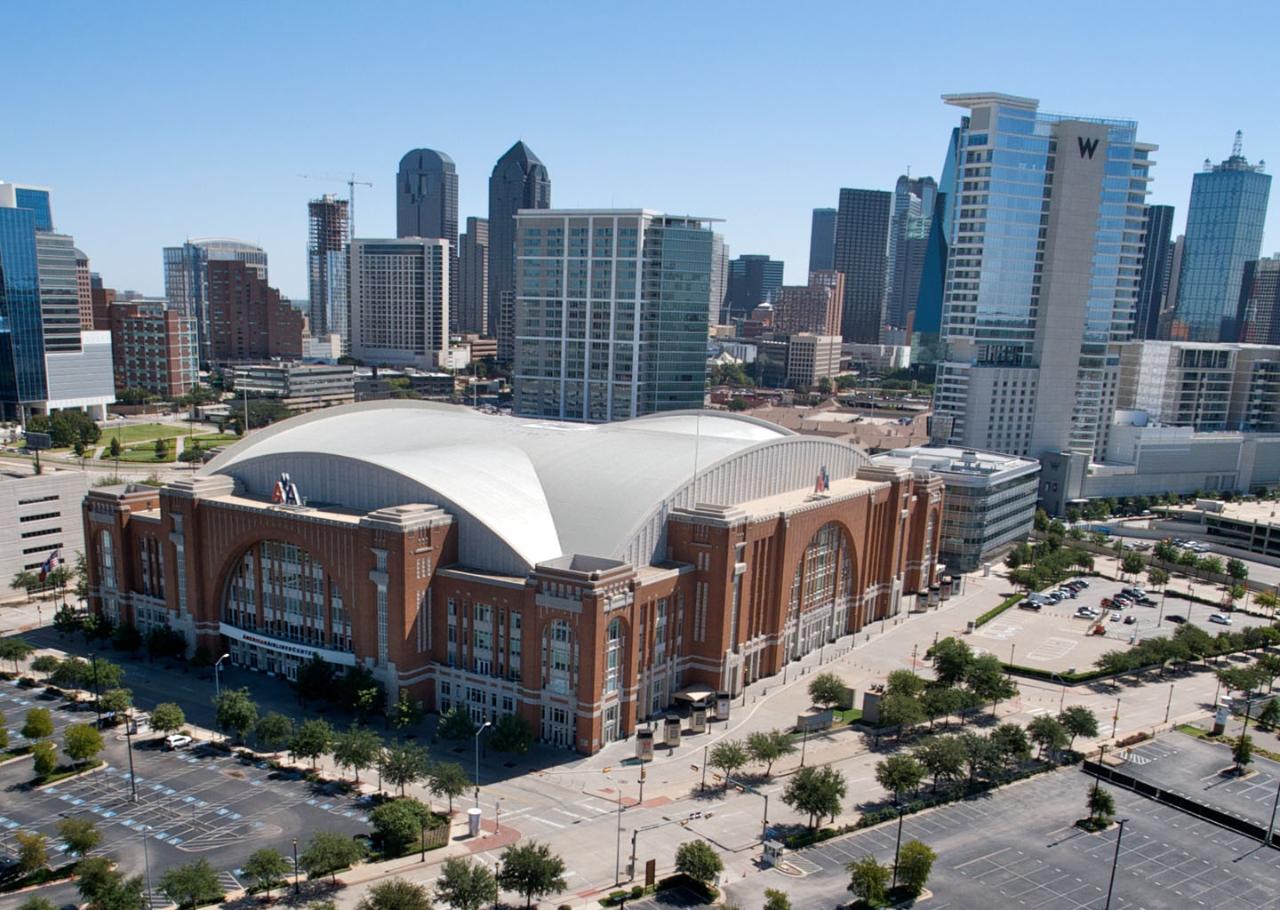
{"points": [[177, 741], [1221, 619]]}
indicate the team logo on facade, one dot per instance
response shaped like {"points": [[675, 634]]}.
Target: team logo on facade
{"points": [[286, 492]]}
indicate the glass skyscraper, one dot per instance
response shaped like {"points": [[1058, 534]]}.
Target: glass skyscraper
{"points": [[519, 181], [611, 313], [22, 376], [1225, 219], [822, 241], [1045, 243]]}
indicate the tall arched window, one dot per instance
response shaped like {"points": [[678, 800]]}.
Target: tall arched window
{"points": [[821, 590], [280, 589], [613, 656]]}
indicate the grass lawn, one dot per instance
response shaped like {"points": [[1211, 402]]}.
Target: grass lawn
{"points": [[846, 717], [140, 432], [144, 455], [209, 440]]}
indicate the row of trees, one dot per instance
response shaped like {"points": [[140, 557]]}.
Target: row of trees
{"points": [[529, 869], [80, 742], [870, 879], [1188, 642]]}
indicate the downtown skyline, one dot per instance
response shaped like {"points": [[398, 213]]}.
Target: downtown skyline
{"points": [[233, 170]]}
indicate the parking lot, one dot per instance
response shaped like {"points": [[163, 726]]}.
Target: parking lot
{"points": [[193, 803], [1055, 639], [1018, 847]]}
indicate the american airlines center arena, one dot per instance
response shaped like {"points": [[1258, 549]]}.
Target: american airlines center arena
{"points": [[584, 577]]}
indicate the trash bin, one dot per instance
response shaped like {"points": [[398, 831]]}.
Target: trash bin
{"points": [[644, 745], [473, 822], [671, 730], [698, 720]]}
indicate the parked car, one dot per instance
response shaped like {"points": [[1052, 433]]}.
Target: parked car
{"points": [[177, 741], [1146, 601], [1221, 619], [1115, 617], [1130, 619], [1029, 605], [1176, 618], [1087, 612]]}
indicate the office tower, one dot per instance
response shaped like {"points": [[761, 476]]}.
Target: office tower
{"points": [[752, 280], [611, 313], [862, 252], [1260, 302], [814, 308], [811, 358], [102, 297], [400, 301], [248, 319], [1207, 386], [1153, 280], [473, 277], [1042, 275], [822, 241], [1225, 219], [328, 234], [48, 361], [186, 278], [427, 205], [912, 217], [84, 291], [154, 349], [519, 181], [719, 278]]}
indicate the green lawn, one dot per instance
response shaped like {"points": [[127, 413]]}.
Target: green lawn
{"points": [[141, 432], [209, 440]]}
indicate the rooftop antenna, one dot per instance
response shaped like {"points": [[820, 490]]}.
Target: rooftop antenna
{"points": [[1237, 147]]}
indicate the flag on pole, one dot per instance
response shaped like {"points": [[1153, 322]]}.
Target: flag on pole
{"points": [[54, 560]]}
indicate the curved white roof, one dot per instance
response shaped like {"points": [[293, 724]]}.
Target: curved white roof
{"points": [[527, 490]]}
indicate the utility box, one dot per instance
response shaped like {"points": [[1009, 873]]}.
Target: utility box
{"points": [[473, 822], [644, 745], [814, 720], [722, 705], [698, 720], [671, 730], [871, 707]]}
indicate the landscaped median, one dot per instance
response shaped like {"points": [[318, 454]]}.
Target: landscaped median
{"points": [[1010, 601]]}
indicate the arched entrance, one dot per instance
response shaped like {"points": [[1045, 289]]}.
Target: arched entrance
{"points": [[821, 592]]}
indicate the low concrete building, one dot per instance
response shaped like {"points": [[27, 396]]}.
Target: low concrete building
{"points": [[990, 499], [877, 358], [1252, 526], [298, 386], [39, 515], [811, 358]]}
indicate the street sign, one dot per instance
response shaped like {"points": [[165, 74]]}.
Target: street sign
{"points": [[38, 441]]}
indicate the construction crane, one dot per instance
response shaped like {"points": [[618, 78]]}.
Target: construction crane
{"points": [[351, 183]]}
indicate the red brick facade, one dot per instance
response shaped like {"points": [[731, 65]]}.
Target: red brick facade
{"points": [[248, 320]]}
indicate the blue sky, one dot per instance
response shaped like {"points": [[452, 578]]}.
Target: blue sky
{"points": [[154, 122]]}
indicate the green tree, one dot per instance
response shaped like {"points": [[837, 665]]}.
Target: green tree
{"points": [[235, 712], [403, 763], [311, 739], [81, 742], [448, 779], [987, 680], [826, 690], [45, 755], [901, 711], [327, 853], [1157, 577], [1210, 565], [1048, 733], [466, 885], [1242, 751], [192, 884], [79, 835], [1040, 521], [698, 860], [116, 700], [15, 649], [904, 682], [899, 774], [358, 748], [315, 679], [531, 870], [767, 746], [273, 731], [869, 881], [114, 447], [396, 894], [915, 862], [776, 900], [38, 724], [1078, 721], [511, 733], [952, 659], [1270, 715], [943, 757], [399, 824], [1011, 743], [44, 663], [167, 717], [728, 755], [1132, 564], [35, 902], [267, 869], [816, 791], [406, 712], [455, 724], [33, 851], [1101, 805]]}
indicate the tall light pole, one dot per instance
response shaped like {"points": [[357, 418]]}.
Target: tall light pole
{"points": [[1271, 826], [146, 859], [897, 847], [97, 696], [217, 679], [1169, 706], [1115, 861], [295, 865], [128, 738], [483, 726]]}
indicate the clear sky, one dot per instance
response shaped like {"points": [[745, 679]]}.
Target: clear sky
{"points": [[154, 122]]}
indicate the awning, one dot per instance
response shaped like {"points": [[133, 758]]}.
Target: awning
{"points": [[695, 694]]}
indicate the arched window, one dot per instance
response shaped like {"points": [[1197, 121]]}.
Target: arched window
{"points": [[821, 590], [280, 589]]}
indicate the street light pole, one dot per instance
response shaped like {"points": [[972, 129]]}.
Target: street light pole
{"points": [[295, 865], [1169, 706], [703, 786], [422, 839], [97, 696], [1115, 861], [217, 679], [483, 726], [617, 857], [128, 738], [897, 848], [1271, 826]]}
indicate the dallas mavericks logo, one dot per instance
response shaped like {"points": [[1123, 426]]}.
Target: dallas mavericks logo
{"points": [[286, 492]]}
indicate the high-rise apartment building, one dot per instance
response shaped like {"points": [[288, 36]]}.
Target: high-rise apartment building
{"points": [[427, 206], [248, 319], [719, 278], [822, 240], [47, 361], [1225, 220], [328, 235], [912, 217], [519, 181], [473, 278], [862, 255], [186, 277], [84, 291], [1042, 276], [154, 349], [611, 312], [400, 301], [1157, 266], [1260, 302], [814, 308], [102, 298], [753, 278]]}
